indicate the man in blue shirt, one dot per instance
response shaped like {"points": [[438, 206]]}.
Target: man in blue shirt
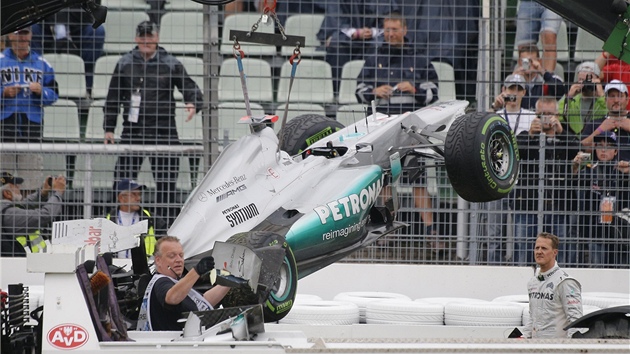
{"points": [[28, 84]]}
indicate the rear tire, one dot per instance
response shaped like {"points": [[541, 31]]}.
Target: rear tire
{"points": [[481, 157], [304, 130], [282, 297]]}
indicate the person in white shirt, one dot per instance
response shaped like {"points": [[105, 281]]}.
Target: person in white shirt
{"points": [[509, 99]]}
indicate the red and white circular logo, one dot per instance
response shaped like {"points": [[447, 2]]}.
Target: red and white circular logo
{"points": [[67, 336]]}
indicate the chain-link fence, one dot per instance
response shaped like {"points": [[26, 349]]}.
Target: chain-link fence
{"points": [[164, 75]]}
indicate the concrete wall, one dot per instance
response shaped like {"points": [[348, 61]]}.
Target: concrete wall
{"points": [[415, 281]]}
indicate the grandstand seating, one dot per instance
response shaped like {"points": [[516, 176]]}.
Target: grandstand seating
{"points": [[446, 80], [103, 70], [120, 30], [61, 122], [194, 68], [306, 25], [125, 4], [69, 74], [244, 22], [94, 127], [351, 113], [313, 82], [587, 46], [183, 5], [182, 32], [102, 171], [145, 175], [188, 132], [259, 80], [348, 83]]}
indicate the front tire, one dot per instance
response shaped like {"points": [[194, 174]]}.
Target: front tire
{"points": [[481, 157], [282, 296], [304, 130]]}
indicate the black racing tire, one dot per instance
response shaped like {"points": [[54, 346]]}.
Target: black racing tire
{"points": [[481, 157], [282, 297], [302, 131]]}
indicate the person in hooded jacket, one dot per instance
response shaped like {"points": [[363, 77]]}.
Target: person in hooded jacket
{"points": [[28, 85], [143, 83]]}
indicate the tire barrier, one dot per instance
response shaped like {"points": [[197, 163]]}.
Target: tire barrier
{"points": [[605, 299], [362, 298], [399, 311], [483, 314], [321, 312]]}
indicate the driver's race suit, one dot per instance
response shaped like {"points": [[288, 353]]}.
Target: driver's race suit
{"points": [[555, 300]]}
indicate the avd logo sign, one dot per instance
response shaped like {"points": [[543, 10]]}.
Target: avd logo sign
{"points": [[67, 336]]}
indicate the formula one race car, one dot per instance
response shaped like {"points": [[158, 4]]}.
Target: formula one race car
{"points": [[323, 201]]}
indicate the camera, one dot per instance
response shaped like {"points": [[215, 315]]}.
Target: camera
{"points": [[525, 63], [587, 85], [510, 98]]}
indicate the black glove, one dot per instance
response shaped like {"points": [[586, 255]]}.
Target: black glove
{"points": [[205, 265]]}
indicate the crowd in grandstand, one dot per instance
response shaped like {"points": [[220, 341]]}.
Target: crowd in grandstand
{"points": [[579, 130]]}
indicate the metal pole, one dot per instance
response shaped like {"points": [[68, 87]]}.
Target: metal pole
{"points": [[483, 63], [483, 80], [212, 61], [541, 180], [87, 189], [462, 233]]}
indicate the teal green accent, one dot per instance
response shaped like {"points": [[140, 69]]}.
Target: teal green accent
{"points": [[396, 166], [307, 233], [490, 121], [289, 278]]}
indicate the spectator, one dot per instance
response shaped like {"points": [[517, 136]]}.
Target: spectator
{"points": [[554, 197], [603, 191], [22, 222], [398, 78], [350, 31], [28, 84], [394, 62], [169, 293], [129, 211], [555, 298], [616, 121], [539, 82], [613, 69], [535, 20], [585, 99], [143, 83], [70, 31], [519, 119]]}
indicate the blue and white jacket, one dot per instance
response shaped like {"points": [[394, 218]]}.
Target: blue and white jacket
{"points": [[14, 71]]}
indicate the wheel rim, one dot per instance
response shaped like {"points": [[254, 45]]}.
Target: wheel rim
{"points": [[500, 155], [283, 286]]}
